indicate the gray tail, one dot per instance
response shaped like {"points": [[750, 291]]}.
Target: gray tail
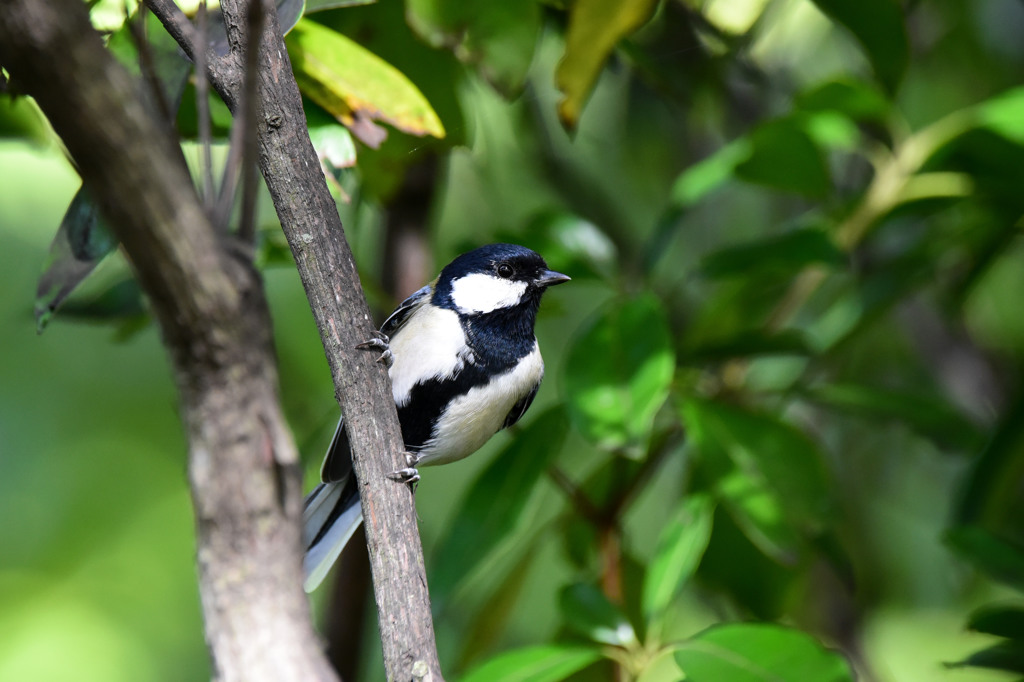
{"points": [[331, 514]]}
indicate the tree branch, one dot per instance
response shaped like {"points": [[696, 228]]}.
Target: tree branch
{"points": [[313, 228], [243, 464]]}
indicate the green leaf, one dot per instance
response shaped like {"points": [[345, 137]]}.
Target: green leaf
{"points": [[595, 28], [1003, 656], [707, 175], [494, 504], [1004, 114], [619, 371], [1002, 621], [783, 156], [768, 449], [855, 99], [879, 27], [750, 652], [997, 557], [759, 512], [499, 37], [81, 242], [680, 547], [788, 252], [356, 86], [20, 119], [928, 414], [545, 663], [588, 611], [321, 5]]}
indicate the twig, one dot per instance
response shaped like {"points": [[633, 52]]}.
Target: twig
{"points": [[203, 109], [251, 95]]}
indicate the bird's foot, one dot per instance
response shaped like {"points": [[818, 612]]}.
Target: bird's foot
{"points": [[381, 342], [409, 475]]}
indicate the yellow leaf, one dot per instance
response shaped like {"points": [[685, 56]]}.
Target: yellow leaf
{"points": [[356, 86], [595, 28]]}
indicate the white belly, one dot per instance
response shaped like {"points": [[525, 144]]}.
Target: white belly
{"points": [[470, 421]]}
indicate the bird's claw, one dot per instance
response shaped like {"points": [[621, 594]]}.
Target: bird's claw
{"points": [[408, 475], [381, 342]]}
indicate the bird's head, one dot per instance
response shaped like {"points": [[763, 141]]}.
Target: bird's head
{"points": [[493, 278]]}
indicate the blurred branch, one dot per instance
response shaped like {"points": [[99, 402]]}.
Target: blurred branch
{"points": [[315, 234], [216, 326]]}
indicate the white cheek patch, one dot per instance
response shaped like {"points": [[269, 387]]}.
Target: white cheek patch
{"points": [[482, 293]]}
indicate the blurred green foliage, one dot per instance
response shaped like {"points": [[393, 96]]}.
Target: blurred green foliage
{"points": [[786, 383]]}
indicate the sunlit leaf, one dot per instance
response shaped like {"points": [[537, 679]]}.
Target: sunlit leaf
{"points": [[21, 119], [356, 86], [495, 501], [783, 156], [588, 611], [619, 371], [706, 175], [595, 28], [758, 511], [499, 37], [749, 652], [879, 27], [1004, 114], [82, 241], [762, 446], [681, 545], [545, 663]]}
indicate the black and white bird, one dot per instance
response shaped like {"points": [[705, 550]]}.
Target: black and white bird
{"points": [[464, 364]]}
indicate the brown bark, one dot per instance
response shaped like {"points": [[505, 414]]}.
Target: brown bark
{"points": [[215, 324]]}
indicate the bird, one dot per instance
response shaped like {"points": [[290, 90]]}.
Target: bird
{"points": [[464, 364]]}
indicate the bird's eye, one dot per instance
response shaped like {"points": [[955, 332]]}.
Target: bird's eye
{"points": [[505, 271]]}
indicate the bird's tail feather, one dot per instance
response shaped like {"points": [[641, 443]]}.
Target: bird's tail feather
{"points": [[331, 514]]}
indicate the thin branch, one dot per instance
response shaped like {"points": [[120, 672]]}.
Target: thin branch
{"points": [[203, 110], [313, 228], [247, 221]]}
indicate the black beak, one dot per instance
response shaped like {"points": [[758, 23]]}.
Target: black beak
{"points": [[550, 278]]}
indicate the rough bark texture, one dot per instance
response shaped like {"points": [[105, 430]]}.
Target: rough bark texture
{"points": [[214, 320], [313, 228]]}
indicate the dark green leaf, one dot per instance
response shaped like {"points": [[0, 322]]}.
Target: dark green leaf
{"points": [[545, 663], [21, 119], [931, 415], [495, 502], [788, 252], [1003, 656], [1002, 621], [494, 611], [680, 547], [764, 447], [759, 653], [784, 156], [588, 611], [619, 371], [750, 343], [499, 37], [858, 100], [997, 557], [595, 28], [82, 241], [991, 494], [759, 512], [879, 27]]}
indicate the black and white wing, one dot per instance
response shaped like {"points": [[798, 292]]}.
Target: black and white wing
{"points": [[332, 512]]}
